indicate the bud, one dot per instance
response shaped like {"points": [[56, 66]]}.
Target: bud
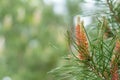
{"points": [[81, 40]]}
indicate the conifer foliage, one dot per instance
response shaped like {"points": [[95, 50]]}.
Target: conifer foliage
{"points": [[94, 58]]}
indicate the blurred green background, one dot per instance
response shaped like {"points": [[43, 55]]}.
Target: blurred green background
{"points": [[32, 36]]}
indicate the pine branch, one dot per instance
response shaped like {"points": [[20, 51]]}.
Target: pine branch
{"points": [[93, 57], [111, 9]]}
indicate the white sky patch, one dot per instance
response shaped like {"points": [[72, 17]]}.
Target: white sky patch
{"points": [[59, 6], [90, 1], [61, 2], [58, 1], [89, 4], [48, 2], [59, 9]]}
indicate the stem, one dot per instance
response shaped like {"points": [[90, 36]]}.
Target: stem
{"points": [[96, 71]]}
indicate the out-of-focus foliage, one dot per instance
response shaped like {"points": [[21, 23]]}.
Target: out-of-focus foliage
{"points": [[32, 38]]}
